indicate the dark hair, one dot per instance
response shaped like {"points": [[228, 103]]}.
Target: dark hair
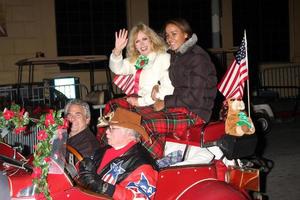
{"points": [[182, 24]]}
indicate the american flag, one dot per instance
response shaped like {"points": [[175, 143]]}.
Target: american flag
{"points": [[113, 173], [142, 188], [233, 82], [125, 83]]}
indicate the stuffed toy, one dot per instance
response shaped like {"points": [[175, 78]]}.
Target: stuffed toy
{"points": [[237, 122]]}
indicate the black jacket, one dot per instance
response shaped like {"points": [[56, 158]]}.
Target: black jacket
{"points": [[193, 76], [136, 156], [84, 142]]}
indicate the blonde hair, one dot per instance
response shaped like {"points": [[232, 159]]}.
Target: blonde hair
{"points": [[158, 44]]}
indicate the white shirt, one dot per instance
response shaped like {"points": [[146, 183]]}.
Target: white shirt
{"points": [[156, 70]]}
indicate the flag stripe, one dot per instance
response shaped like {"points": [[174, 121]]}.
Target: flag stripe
{"points": [[125, 83], [233, 82]]}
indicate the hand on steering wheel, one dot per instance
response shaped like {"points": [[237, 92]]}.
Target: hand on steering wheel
{"points": [[73, 151]]}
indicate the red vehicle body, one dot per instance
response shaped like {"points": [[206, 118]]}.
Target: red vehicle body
{"points": [[199, 181]]}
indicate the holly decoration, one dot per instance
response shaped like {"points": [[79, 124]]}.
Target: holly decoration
{"points": [[49, 124], [141, 62], [14, 118]]}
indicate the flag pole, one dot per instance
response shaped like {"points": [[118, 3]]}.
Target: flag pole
{"points": [[248, 90]]}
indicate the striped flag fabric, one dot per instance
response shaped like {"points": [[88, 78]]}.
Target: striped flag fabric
{"points": [[125, 83], [113, 173], [233, 83]]}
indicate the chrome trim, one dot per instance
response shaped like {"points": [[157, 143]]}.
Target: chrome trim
{"points": [[4, 194]]}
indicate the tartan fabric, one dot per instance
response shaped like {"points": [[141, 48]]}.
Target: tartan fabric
{"points": [[174, 121]]}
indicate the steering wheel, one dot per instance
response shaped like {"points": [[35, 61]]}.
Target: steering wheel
{"points": [[75, 176], [73, 151], [71, 169]]}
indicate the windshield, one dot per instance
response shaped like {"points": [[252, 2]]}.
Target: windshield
{"points": [[57, 161], [58, 153]]}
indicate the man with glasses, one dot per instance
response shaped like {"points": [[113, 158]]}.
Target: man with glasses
{"points": [[81, 137], [124, 169]]}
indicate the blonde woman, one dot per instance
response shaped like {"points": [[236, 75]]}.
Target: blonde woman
{"points": [[146, 61], [147, 64]]}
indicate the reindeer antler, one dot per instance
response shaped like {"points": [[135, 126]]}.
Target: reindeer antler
{"points": [[104, 120]]}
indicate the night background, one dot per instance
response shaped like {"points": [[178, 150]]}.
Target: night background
{"points": [[87, 27]]}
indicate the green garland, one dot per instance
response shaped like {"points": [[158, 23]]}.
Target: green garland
{"points": [[49, 125], [14, 118]]}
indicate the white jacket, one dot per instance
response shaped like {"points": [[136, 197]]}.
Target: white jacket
{"points": [[156, 70]]}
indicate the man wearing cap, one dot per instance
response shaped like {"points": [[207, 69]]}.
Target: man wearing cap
{"points": [[124, 169]]}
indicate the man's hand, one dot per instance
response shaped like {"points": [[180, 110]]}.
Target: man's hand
{"points": [[120, 42], [87, 165], [154, 92], [88, 178], [159, 105], [93, 182]]}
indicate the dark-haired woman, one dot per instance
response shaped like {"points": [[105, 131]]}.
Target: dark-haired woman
{"points": [[191, 72]]}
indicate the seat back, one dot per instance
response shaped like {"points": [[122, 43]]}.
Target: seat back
{"points": [[203, 135]]}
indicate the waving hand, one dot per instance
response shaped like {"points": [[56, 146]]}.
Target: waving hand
{"points": [[120, 42]]}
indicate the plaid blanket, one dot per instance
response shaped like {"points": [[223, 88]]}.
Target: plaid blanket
{"points": [[174, 121]]}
